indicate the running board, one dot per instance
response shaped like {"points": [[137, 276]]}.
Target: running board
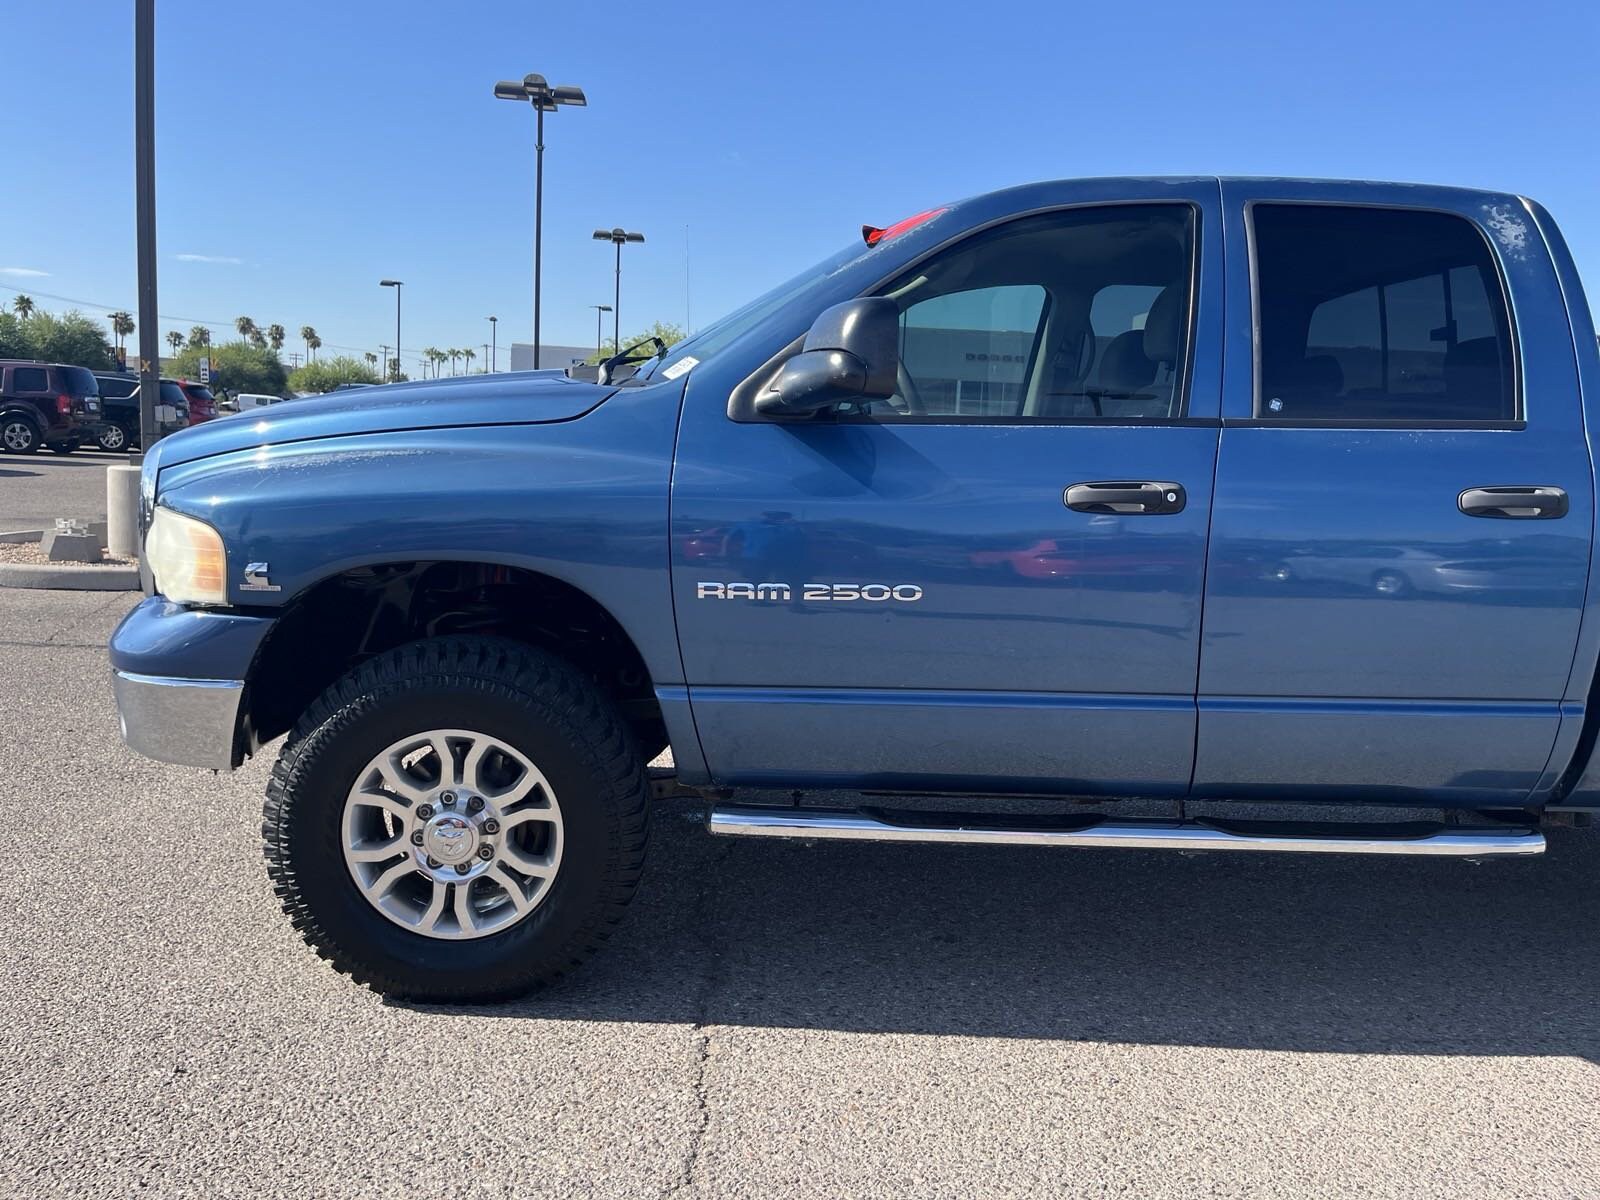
{"points": [[1322, 837]]}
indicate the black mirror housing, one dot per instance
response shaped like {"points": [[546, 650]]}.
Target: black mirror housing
{"points": [[852, 352]]}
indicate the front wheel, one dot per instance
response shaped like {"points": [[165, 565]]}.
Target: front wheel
{"points": [[18, 435], [460, 819], [113, 437]]}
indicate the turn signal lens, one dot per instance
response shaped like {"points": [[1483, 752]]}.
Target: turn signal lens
{"points": [[186, 558]]}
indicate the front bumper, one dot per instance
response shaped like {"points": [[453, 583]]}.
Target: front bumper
{"points": [[191, 722], [179, 676]]}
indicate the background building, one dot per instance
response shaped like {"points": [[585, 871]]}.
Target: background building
{"points": [[549, 356]]}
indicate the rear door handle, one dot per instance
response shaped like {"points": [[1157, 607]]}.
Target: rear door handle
{"points": [[1149, 498], [1514, 503]]}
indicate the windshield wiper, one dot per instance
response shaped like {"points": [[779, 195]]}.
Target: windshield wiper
{"points": [[627, 357]]}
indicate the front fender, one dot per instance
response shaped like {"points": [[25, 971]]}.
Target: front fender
{"points": [[583, 501]]}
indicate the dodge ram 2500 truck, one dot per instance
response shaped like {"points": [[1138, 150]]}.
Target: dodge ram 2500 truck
{"points": [[1235, 491]]}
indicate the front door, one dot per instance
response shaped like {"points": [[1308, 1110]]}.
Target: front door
{"points": [[927, 592], [1376, 622]]}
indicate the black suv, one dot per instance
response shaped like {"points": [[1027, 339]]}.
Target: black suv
{"points": [[119, 416], [46, 404]]}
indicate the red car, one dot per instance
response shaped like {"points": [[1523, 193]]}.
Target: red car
{"points": [[202, 404]]}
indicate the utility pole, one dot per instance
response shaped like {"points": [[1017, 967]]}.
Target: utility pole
{"points": [[144, 154]]}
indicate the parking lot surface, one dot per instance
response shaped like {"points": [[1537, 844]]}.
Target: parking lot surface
{"points": [[776, 1019], [35, 489]]}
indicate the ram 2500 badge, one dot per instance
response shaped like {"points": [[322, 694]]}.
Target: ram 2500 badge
{"points": [[1239, 491]]}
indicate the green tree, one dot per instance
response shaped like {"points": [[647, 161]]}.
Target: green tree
{"points": [[175, 340], [121, 325], [469, 354], [371, 360], [669, 333], [23, 305], [325, 375], [275, 337], [246, 327], [309, 335], [71, 338], [238, 366], [199, 335]]}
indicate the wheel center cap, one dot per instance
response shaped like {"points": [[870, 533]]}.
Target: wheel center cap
{"points": [[450, 839]]}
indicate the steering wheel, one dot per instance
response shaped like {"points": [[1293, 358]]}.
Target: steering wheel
{"points": [[906, 389]]}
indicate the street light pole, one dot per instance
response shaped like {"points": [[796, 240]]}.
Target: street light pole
{"points": [[494, 344], [396, 284], [599, 347], [618, 236], [544, 98], [144, 169]]}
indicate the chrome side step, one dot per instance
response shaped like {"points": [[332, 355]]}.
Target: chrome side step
{"points": [[887, 825]]}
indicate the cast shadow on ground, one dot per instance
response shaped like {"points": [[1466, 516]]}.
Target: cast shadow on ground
{"points": [[1276, 952]]}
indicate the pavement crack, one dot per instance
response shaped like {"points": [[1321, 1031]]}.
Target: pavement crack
{"points": [[710, 979]]}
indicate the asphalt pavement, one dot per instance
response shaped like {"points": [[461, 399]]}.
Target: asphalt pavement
{"points": [[775, 1019], [35, 489]]}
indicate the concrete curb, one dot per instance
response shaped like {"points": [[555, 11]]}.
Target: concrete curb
{"points": [[18, 536], [71, 577]]}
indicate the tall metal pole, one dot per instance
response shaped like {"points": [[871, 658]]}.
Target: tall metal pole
{"points": [[538, 224], [144, 154], [494, 344], [397, 332], [599, 346], [616, 308]]}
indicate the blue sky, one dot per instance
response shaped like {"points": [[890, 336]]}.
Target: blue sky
{"points": [[307, 150]]}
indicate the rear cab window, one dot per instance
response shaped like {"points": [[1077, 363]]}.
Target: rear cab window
{"points": [[1379, 316], [79, 381]]}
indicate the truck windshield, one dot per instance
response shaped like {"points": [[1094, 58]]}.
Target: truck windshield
{"points": [[721, 334]]}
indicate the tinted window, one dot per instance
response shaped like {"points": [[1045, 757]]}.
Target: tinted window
{"points": [[1076, 315], [202, 394], [80, 381], [171, 393], [1379, 315], [118, 389], [30, 379]]}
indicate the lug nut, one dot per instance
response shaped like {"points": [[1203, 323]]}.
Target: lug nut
{"points": [[416, 838], [463, 868], [491, 826], [486, 852], [448, 799], [475, 804], [424, 811], [434, 862]]}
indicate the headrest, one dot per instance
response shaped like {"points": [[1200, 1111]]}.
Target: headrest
{"points": [[1163, 325], [1125, 367]]}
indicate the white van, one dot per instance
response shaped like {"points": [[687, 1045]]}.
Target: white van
{"points": [[249, 400]]}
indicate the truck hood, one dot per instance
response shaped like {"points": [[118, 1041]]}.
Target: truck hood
{"points": [[515, 398]]}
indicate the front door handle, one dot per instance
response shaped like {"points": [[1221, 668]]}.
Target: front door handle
{"points": [[1129, 498], [1515, 503]]}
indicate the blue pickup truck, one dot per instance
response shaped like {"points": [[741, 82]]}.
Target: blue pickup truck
{"points": [[1246, 492]]}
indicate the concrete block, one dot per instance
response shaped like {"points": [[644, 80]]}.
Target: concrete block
{"points": [[122, 511], [98, 531], [69, 547]]}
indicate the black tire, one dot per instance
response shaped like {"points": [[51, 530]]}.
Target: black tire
{"points": [[114, 438], [543, 707], [19, 435]]}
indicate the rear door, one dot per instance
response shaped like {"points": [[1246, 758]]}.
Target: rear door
{"points": [[916, 593], [1381, 618]]}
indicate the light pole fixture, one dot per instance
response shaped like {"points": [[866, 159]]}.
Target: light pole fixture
{"points": [[544, 98], [494, 344], [396, 285], [599, 347], [617, 236]]}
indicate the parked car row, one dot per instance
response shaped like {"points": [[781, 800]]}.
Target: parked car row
{"points": [[62, 407]]}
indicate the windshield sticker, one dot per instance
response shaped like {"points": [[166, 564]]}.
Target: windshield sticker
{"points": [[682, 367]]}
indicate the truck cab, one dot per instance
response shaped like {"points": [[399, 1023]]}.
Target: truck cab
{"points": [[1189, 490]]}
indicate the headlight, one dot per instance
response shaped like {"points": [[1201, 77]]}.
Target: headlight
{"points": [[186, 558]]}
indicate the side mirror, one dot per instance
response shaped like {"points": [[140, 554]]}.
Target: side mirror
{"points": [[852, 352]]}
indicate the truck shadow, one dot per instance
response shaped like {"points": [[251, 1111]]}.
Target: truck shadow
{"points": [[1278, 952]]}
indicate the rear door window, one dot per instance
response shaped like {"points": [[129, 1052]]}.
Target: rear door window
{"points": [[1379, 315], [79, 381], [30, 379]]}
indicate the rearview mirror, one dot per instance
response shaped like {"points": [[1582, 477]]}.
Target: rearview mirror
{"points": [[851, 353]]}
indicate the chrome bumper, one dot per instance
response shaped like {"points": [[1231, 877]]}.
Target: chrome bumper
{"points": [[191, 722]]}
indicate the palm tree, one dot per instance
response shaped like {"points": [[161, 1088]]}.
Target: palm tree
{"points": [[454, 356], [469, 354], [199, 336], [439, 359], [121, 325], [175, 340], [313, 343], [275, 336], [246, 328], [307, 335], [23, 305], [372, 360]]}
